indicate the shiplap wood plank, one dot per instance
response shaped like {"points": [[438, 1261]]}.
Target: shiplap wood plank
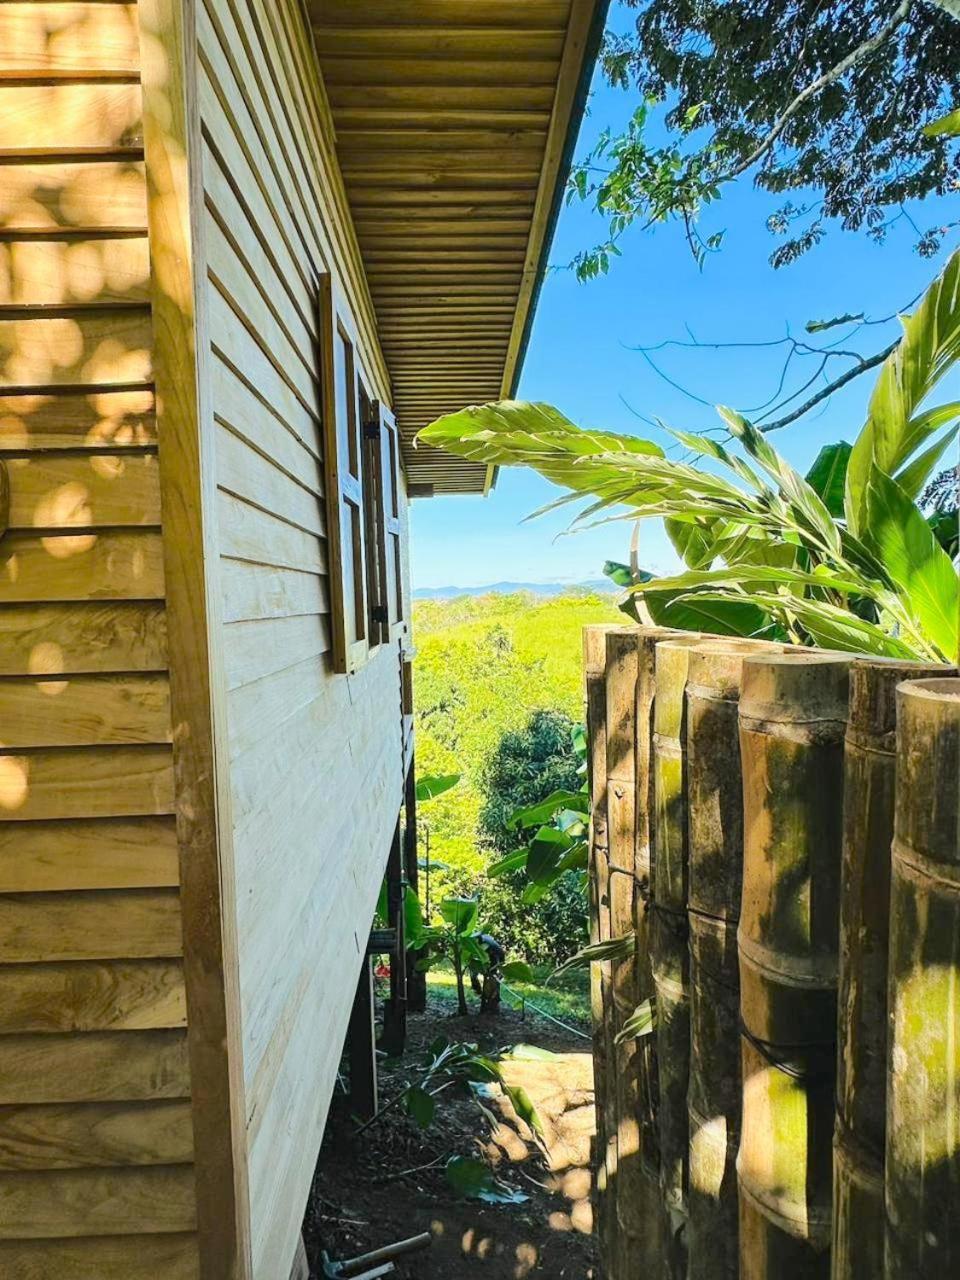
{"points": [[62, 492], [107, 853], [88, 782], [38, 120], [84, 711], [100, 419], [253, 650], [143, 1257], [104, 1066], [253, 591], [424, 70], [247, 533], [60, 38], [505, 16], [71, 197], [86, 636], [127, 995], [103, 347], [74, 272], [251, 474], [94, 1135], [84, 1202], [139, 924], [81, 566]]}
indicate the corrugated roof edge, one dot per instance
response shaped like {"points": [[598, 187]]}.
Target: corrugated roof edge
{"points": [[591, 50]]}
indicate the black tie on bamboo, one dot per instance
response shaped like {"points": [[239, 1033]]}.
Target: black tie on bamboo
{"points": [[669, 949], [715, 837], [923, 1098], [793, 711], [868, 809]]}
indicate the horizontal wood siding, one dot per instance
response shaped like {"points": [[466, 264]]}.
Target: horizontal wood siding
{"points": [[315, 763], [96, 1137]]}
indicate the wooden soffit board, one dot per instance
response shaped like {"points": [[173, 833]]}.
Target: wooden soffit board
{"points": [[454, 123]]}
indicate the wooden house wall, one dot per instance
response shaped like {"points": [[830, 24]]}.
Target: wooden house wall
{"points": [[96, 1181], [314, 758]]}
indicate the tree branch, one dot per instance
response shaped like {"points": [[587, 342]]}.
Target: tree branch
{"points": [[870, 362], [842, 67]]}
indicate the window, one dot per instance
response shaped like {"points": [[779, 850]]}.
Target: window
{"points": [[389, 616], [343, 449], [364, 529]]}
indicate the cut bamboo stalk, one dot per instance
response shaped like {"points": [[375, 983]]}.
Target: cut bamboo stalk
{"points": [[601, 999], [715, 837], [868, 814], [669, 950], [793, 711], [923, 1093], [636, 1196]]}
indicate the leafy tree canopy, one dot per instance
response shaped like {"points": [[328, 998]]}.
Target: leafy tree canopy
{"points": [[823, 100]]}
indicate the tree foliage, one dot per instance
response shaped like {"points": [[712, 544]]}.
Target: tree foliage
{"points": [[528, 764], [843, 557], [824, 101]]}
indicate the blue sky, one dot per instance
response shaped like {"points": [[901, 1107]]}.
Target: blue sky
{"points": [[580, 359]]}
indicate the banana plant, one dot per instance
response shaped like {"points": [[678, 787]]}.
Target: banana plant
{"points": [[842, 557]]}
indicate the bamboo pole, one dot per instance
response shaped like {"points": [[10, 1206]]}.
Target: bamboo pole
{"points": [[669, 949], [793, 710], [868, 813], [601, 999], [715, 837], [636, 1196], [923, 1093]]}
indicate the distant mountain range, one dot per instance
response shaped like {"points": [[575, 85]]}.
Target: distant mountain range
{"points": [[602, 585]]}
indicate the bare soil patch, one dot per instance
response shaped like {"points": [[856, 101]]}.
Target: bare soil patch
{"points": [[388, 1183]]}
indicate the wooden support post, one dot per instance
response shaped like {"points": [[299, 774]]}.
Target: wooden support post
{"points": [[923, 1091], [361, 1047], [416, 981], [868, 813], [793, 711], [669, 940], [394, 1034], [601, 1004], [714, 793]]}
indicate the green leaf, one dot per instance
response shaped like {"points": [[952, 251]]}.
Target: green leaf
{"points": [[928, 349], [523, 1106], [619, 574], [828, 475], [916, 562], [517, 971], [914, 476], [533, 815], [690, 612], [531, 1053], [420, 1106], [947, 126], [598, 952], [641, 1022], [820, 326], [430, 787], [512, 862], [461, 913], [693, 541], [546, 850], [472, 1178]]}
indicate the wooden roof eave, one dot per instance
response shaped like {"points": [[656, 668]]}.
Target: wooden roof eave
{"points": [[420, 102]]}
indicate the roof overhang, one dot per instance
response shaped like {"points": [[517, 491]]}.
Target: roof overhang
{"points": [[455, 124]]}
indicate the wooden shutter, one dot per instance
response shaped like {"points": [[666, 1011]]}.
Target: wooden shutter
{"points": [[343, 470], [390, 532]]}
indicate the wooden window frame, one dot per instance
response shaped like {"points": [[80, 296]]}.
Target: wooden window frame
{"points": [[391, 613], [344, 488]]}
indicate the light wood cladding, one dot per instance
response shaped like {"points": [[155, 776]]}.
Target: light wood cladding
{"points": [[95, 1116], [452, 122]]}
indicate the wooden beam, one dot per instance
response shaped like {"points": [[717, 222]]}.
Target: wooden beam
{"points": [[362, 1049], [172, 147]]}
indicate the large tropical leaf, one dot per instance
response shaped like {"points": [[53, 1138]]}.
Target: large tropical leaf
{"points": [[828, 475], [895, 427], [916, 562], [691, 612], [947, 126]]}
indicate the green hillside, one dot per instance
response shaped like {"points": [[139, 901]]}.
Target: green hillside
{"points": [[482, 665]]}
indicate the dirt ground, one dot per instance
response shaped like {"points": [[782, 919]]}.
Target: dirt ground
{"points": [[388, 1183]]}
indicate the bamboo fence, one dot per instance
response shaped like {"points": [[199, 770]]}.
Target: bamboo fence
{"points": [[743, 803]]}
